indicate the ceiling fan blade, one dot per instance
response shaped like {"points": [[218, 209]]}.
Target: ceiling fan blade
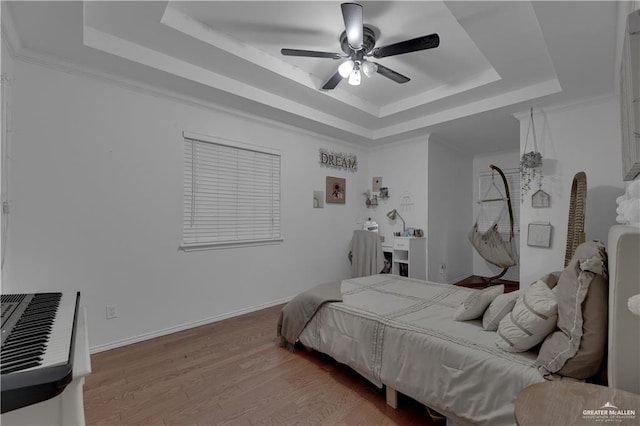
{"points": [[391, 74], [310, 53], [413, 45], [332, 82], [352, 15]]}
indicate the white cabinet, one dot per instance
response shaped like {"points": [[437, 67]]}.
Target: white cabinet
{"points": [[410, 257]]}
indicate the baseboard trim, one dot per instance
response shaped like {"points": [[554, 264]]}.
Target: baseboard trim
{"points": [[182, 327]]}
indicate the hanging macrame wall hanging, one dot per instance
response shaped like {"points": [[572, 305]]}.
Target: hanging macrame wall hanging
{"points": [[530, 162]]}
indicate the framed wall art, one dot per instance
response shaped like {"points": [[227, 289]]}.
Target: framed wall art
{"points": [[539, 234], [318, 199], [336, 190], [540, 199]]}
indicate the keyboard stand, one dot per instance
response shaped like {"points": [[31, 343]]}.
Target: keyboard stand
{"points": [[68, 407]]}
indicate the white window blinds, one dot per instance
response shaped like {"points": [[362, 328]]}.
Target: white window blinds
{"points": [[490, 211], [231, 193]]}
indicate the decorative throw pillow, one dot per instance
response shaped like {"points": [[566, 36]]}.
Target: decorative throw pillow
{"points": [[551, 280], [577, 348], [533, 317], [474, 306], [498, 309]]}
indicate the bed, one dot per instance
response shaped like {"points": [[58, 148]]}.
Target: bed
{"points": [[400, 333]]}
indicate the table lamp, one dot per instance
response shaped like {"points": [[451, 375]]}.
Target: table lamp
{"points": [[392, 215]]}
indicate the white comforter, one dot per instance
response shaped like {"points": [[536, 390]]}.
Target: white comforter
{"points": [[400, 332]]}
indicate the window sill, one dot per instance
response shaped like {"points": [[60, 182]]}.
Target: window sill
{"points": [[230, 244]]}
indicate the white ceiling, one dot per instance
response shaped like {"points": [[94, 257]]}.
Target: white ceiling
{"points": [[494, 59]]}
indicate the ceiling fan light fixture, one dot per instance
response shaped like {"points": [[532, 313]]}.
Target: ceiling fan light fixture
{"points": [[369, 68], [358, 41], [346, 68], [354, 78]]}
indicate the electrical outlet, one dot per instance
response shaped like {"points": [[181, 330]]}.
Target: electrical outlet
{"points": [[112, 311]]}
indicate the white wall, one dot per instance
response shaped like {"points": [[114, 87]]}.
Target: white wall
{"points": [[582, 137], [6, 67], [450, 212], [96, 184], [403, 169], [504, 160]]}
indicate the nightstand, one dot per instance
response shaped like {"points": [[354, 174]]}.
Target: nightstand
{"points": [[410, 257]]}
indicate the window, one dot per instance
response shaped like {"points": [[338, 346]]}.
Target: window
{"points": [[489, 211], [231, 193]]}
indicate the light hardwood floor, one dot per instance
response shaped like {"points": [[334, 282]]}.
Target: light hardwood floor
{"points": [[234, 372]]}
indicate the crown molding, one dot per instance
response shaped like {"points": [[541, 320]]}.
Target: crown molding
{"points": [[79, 71], [10, 37], [396, 144], [566, 106]]}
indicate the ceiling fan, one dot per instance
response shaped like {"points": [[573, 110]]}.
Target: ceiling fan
{"points": [[358, 43]]}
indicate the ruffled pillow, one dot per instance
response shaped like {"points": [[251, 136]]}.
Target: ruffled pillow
{"points": [[577, 347]]}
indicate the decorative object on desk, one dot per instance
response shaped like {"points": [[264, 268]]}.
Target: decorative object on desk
{"points": [[318, 199], [370, 225], [629, 205], [338, 160], [336, 190], [393, 214], [419, 233], [539, 234], [530, 162], [540, 199]]}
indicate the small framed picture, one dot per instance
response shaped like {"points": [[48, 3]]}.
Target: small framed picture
{"points": [[318, 199], [336, 190], [539, 234]]}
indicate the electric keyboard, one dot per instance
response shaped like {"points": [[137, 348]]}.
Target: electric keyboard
{"points": [[38, 335]]}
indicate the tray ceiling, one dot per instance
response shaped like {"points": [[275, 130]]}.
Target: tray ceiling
{"points": [[493, 57]]}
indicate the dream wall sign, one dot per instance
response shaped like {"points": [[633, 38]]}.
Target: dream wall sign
{"points": [[338, 160]]}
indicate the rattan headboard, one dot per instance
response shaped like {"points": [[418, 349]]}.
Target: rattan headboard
{"points": [[577, 205]]}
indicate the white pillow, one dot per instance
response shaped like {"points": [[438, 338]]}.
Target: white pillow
{"points": [[498, 309], [474, 306], [533, 318]]}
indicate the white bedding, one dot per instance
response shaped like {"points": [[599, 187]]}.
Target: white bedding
{"points": [[400, 332]]}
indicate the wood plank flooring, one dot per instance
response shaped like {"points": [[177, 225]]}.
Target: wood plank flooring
{"points": [[233, 372]]}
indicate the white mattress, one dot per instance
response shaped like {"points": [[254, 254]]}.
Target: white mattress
{"points": [[401, 332]]}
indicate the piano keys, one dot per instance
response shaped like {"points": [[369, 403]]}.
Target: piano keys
{"points": [[38, 336]]}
